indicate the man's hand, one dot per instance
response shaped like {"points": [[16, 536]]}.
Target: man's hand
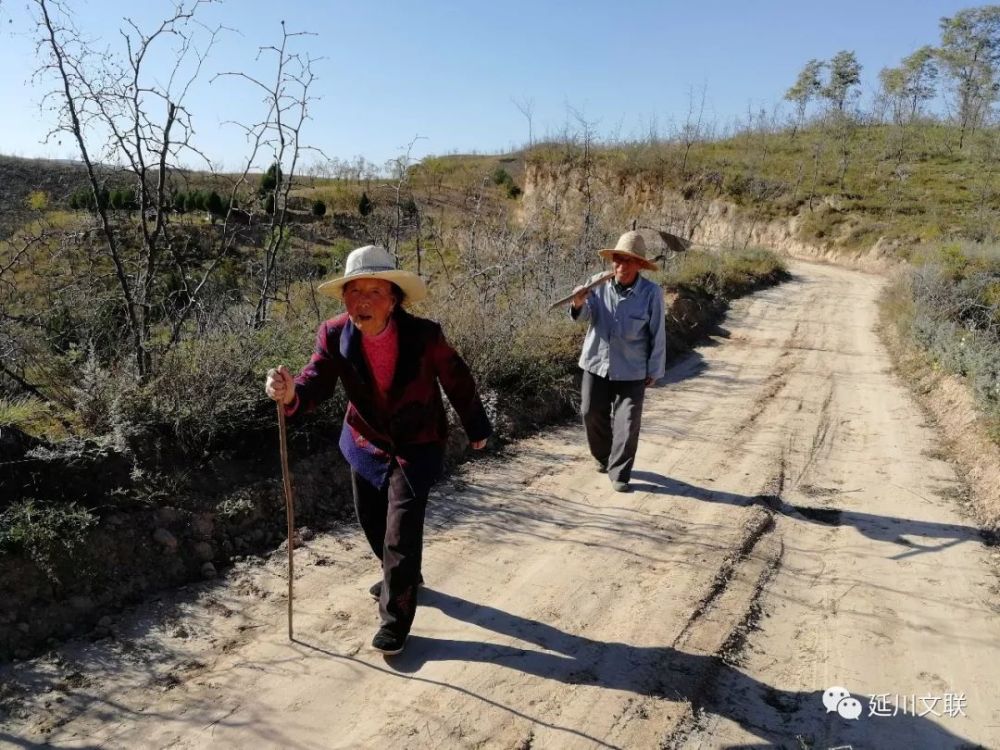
{"points": [[478, 445], [650, 381], [280, 385], [579, 297]]}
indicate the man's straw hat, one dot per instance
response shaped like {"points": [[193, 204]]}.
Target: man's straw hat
{"points": [[375, 262], [633, 245]]}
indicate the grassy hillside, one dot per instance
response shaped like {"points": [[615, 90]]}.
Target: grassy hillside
{"points": [[29, 188], [907, 183]]}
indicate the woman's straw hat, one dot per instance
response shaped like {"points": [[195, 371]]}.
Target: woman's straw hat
{"points": [[375, 262]]}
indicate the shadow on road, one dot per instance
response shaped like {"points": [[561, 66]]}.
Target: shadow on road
{"points": [[780, 718], [664, 672], [880, 528]]}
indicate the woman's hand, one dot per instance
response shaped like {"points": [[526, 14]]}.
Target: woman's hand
{"points": [[478, 444], [280, 385]]}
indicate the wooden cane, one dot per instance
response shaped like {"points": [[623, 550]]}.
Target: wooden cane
{"points": [[289, 508]]}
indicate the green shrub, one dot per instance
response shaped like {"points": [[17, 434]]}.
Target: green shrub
{"points": [[38, 200], [501, 176], [726, 274], [214, 205], [952, 312], [49, 535], [270, 180], [194, 201], [338, 255], [236, 506], [365, 206], [29, 415], [208, 390], [83, 199]]}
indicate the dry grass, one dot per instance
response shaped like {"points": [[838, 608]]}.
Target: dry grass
{"points": [[960, 421]]}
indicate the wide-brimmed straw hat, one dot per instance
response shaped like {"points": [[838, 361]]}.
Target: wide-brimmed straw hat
{"points": [[633, 245], [375, 262]]}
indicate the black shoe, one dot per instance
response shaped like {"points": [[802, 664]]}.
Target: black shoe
{"points": [[376, 588], [602, 468], [388, 642]]}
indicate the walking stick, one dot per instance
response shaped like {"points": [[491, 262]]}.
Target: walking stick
{"points": [[289, 507]]}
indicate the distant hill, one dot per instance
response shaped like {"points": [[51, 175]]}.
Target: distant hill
{"points": [[848, 182], [19, 178]]}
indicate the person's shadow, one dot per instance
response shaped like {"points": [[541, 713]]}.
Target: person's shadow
{"points": [[649, 481], [669, 673], [872, 525]]}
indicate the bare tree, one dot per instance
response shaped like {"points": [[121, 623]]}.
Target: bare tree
{"points": [[984, 187], [279, 134], [15, 257], [817, 164], [153, 268], [588, 176], [526, 106], [692, 132], [399, 172], [106, 103]]}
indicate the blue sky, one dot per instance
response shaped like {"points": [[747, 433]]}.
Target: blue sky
{"points": [[447, 71]]}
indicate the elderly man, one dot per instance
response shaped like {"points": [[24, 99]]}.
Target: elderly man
{"points": [[623, 353]]}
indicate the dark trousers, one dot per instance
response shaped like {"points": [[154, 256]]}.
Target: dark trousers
{"points": [[612, 415], [392, 518]]}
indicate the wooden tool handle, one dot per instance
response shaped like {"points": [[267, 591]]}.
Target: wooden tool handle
{"points": [[586, 287]]}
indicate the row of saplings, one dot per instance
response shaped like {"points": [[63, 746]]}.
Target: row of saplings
{"points": [[127, 199], [180, 202]]}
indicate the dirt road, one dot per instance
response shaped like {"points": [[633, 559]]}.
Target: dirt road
{"points": [[791, 531]]}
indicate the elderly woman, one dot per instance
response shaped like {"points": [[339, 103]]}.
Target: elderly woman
{"points": [[390, 363]]}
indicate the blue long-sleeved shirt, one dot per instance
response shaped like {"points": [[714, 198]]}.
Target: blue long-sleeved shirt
{"points": [[626, 339]]}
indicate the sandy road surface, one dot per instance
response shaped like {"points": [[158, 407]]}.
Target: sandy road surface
{"points": [[790, 531]]}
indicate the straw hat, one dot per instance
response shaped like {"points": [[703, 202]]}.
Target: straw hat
{"points": [[633, 245], [375, 262]]}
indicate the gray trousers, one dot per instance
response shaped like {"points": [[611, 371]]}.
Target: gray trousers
{"points": [[612, 415]]}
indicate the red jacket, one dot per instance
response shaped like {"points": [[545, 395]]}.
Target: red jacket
{"points": [[410, 425]]}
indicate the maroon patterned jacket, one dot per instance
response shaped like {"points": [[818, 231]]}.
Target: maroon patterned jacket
{"points": [[410, 425]]}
